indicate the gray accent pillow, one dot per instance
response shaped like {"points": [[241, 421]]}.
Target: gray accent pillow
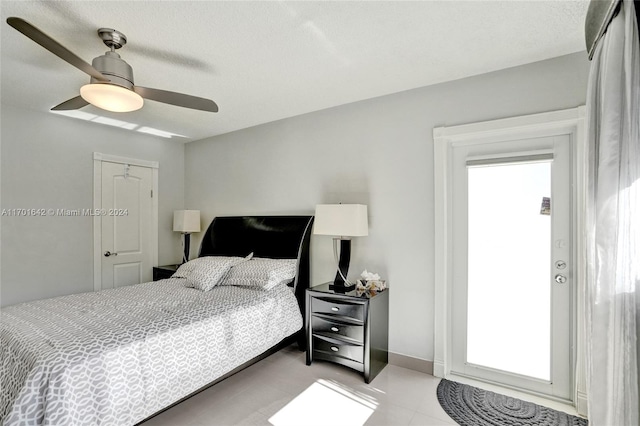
{"points": [[261, 272], [204, 273]]}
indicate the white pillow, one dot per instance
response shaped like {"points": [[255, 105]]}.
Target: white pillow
{"points": [[204, 273], [261, 272]]}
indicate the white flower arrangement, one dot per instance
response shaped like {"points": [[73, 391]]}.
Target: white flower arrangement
{"points": [[369, 276], [370, 282]]}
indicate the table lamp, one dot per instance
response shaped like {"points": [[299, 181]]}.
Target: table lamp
{"points": [[342, 221], [186, 222]]}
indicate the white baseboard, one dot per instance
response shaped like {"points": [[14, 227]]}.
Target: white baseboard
{"points": [[438, 369], [417, 364], [582, 404]]}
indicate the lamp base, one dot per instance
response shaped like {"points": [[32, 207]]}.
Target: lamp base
{"points": [[343, 265], [187, 245], [340, 288]]}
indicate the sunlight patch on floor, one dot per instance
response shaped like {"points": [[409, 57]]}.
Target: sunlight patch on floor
{"points": [[326, 402]]}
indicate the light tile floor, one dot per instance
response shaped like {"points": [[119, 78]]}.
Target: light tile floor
{"points": [[282, 390]]}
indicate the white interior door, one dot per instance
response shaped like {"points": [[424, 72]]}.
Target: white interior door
{"points": [[512, 264], [126, 224]]}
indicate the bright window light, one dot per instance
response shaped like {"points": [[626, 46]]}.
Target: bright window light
{"points": [[326, 403], [157, 132], [115, 123], [509, 254], [74, 113]]}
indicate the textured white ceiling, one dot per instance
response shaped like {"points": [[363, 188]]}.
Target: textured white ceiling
{"points": [[268, 60]]}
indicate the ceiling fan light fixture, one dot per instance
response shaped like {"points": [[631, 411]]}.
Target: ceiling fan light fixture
{"points": [[111, 87], [111, 97]]}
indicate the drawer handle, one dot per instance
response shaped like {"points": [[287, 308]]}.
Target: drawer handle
{"points": [[335, 329], [335, 308], [334, 348]]}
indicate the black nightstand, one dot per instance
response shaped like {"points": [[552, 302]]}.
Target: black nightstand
{"points": [[165, 271], [348, 329]]}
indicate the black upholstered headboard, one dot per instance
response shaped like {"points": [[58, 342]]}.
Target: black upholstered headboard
{"points": [[276, 237]]}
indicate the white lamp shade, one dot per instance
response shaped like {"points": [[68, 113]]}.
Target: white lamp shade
{"points": [[344, 220], [111, 97], [186, 221]]}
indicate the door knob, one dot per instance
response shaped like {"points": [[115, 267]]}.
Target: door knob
{"points": [[560, 279], [108, 253]]}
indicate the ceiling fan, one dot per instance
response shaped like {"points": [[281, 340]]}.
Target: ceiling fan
{"points": [[111, 86]]}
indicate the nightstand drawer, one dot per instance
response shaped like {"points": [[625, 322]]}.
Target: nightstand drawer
{"points": [[337, 307], [328, 327], [336, 348]]}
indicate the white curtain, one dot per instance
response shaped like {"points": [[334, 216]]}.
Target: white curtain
{"points": [[613, 216]]}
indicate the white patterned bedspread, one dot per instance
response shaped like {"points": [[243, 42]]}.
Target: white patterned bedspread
{"points": [[117, 356]]}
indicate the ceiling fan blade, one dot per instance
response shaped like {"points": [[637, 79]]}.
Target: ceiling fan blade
{"points": [[73, 103], [54, 47], [178, 99]]}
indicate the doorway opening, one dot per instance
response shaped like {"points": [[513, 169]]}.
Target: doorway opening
{"points": [[509, 282], [125, 223]]}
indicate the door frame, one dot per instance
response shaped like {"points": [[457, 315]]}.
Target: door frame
{"points": [[564, 122], [98, 159]]}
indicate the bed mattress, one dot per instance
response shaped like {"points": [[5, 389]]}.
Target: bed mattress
{"points": [[115, 357]]}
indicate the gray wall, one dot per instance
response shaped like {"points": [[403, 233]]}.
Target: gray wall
{"points": [[378, 152], [47, 162]]}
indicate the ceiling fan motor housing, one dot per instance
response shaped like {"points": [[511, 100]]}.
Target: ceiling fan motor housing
{"points": [[115, 69]]}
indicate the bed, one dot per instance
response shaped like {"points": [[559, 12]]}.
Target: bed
{"points": [[120, 356]]}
